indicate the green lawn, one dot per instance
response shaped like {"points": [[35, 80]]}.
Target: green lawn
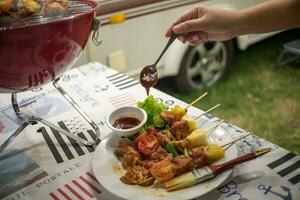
{"points": [[256, 97]]}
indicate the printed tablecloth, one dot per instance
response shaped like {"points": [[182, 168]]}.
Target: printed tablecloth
{"points": [[48, 165]]}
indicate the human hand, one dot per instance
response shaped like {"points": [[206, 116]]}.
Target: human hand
{"points": [[205, 24]]}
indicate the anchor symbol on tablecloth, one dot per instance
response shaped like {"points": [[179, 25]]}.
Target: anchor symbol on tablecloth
{"points": [[268, 190]]}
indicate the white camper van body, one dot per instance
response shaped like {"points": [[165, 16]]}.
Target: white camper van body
{"points": [[138, 40]]}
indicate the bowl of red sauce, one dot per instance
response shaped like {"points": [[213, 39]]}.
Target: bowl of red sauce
{"points": [[126, 121]]}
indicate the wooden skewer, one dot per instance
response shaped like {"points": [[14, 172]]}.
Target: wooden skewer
{"points": [[207, 111], [196, 100], [240, 138], [215, 126], [228, 146]]}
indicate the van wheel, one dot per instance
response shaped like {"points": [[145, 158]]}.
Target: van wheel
{"points": [[204, 65]]}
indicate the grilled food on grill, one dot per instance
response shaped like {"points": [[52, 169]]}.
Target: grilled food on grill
{"points": [[5, 6], [164, 152], [21, 8], [27, 7], [55, 6]]}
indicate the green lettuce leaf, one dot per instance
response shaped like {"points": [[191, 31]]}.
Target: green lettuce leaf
{"points": [[153, 110]]}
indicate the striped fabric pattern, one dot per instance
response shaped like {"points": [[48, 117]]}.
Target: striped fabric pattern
{"points": [[84, 187], [59, 145], [290, 165], [123, 99], [122, 81]]}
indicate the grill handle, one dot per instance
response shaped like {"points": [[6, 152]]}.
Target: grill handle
{"points": [[95, 36], [80, 111]]}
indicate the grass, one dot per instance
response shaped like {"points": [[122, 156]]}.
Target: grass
{"points": [[256, 97]]}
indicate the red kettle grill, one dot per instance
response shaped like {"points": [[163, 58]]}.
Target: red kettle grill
{"points": [[36, 50]]}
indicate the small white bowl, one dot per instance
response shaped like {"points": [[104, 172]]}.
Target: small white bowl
{"points": [[128, 111]]}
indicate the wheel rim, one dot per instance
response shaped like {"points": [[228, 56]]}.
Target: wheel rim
{"points": [[205, 64]]}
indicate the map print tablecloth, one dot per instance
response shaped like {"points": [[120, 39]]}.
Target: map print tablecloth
{"points": [[43, 164]]}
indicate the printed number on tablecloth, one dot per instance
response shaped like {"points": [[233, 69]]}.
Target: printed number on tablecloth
{"points": [[231, 190], [167, 102]]}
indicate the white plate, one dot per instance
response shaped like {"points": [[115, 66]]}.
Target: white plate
{"points": [[107, 169]]}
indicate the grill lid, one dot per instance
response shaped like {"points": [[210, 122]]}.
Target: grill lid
{"points": [[76, 7]]}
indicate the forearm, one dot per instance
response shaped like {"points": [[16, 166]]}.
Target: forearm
{"points": [[272, 15]]}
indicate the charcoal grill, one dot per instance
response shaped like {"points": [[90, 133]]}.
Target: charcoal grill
{"points": [[36, 50]]}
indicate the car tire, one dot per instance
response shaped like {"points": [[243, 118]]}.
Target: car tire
{"points": [[203, 65]]}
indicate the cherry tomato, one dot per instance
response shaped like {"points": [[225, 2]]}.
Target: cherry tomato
{"points": [[138, 138], [147, 144]]}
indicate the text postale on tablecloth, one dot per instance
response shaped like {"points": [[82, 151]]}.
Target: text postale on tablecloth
{"points": [[52, 166]]}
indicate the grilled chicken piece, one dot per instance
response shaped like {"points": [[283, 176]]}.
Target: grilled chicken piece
{"points": [[163, 137], [152, 130], [131, 158], [168, 117], [138, 175], [160, 154], [167, 133], [180, 129], [199, 157], [182, 164], [163, 170], [121, 147], [182, 144]]}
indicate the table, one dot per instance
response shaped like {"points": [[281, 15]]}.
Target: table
{"points": [[48, 165]]}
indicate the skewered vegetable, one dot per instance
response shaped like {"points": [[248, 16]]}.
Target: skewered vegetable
{"points": [[197, 138], [179, 112], [191, 122], [214, 152], [171, 149], [186, 152], [181, 181]]}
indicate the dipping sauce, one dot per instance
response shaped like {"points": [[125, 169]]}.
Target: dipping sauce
{"points": [[148, 78], [126, 122]]}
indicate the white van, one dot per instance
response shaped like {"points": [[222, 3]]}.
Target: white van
{"points": [[133, 36]]}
